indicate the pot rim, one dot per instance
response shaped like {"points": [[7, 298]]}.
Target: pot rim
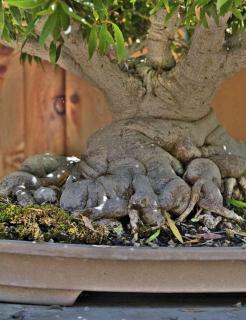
{"points": [[121, 253]]}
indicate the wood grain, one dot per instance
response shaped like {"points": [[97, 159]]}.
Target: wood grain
{"points": [[44, 109], [87, 111], [11, 111]]}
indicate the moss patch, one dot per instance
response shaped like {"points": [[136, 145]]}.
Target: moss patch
{"points": [[47, 223]]}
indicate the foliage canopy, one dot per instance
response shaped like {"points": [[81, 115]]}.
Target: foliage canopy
{"points": [[107, 22]]}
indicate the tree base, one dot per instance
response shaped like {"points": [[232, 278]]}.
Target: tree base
{"points": [[139, 168]]}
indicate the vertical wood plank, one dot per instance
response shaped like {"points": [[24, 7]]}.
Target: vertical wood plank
{"points": [[44, 109], [11, 111], [87, 111]]}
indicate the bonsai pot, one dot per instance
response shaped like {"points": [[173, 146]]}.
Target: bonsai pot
{"points": [[46, 273]]}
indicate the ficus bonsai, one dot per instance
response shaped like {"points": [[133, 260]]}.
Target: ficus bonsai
{"points": [[159, 63]]}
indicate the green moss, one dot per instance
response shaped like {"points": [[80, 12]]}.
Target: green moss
{"points": [[47, 223]]}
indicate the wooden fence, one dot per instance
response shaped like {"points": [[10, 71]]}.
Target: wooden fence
{"points": [[44, 109], [49, 110]]}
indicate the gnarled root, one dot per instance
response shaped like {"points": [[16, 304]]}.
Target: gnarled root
{"points": [[129, 169], [205, 176]]}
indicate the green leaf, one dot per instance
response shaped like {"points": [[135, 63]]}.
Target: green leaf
{"points": [[105, 39], [16, 14], [46, 12], [31, 26], [1, 17], [156, 8], [220, 3], [64, 19], [166, 5], [48, 28], [37, 60], [68, 10], [29, 58], [57, 30], [237, 203], [54, 52], [238, 2], [23, 57], [26, 4], [226, 7], [194, 220], [100, 9], [92, 42], [119, 41], [153, 237], [6, 34], [237, 13]]}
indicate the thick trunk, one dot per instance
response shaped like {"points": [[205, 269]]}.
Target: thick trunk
{"points": [[149, 165], [142, 166]]}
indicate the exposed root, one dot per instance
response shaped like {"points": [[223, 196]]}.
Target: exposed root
{"points": [[195, 196], [242, 184], [206, 177], [229, 185], [134, 170]]}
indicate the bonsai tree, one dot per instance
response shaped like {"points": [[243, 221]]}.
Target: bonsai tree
{"points": [[159, 63]]}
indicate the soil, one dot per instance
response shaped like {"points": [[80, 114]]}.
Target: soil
{"points": [[50, 223]]}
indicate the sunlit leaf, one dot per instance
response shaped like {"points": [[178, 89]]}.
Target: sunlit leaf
{"points": [[92, 42], [1, 17], [153, 237], [100, 9], [105, 39], [237, 203], [220, 3], [119, 41], [26, 4], [48, 28]]}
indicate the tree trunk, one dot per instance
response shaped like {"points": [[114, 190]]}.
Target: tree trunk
{"points": [[165, 149], [150, 164]]}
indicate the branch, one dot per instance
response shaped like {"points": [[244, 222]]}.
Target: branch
{"points": [[160, 38], [191, 85], [32, 47], [120, 90], [206, 53]]}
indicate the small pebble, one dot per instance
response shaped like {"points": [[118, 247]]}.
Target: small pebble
{"points": [[238, 304], [24, 198], [45, 195], [55, 307]]}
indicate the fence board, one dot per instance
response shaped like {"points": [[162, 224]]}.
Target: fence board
{"points": [[87, 111], [11, 111], [44, 109]]}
